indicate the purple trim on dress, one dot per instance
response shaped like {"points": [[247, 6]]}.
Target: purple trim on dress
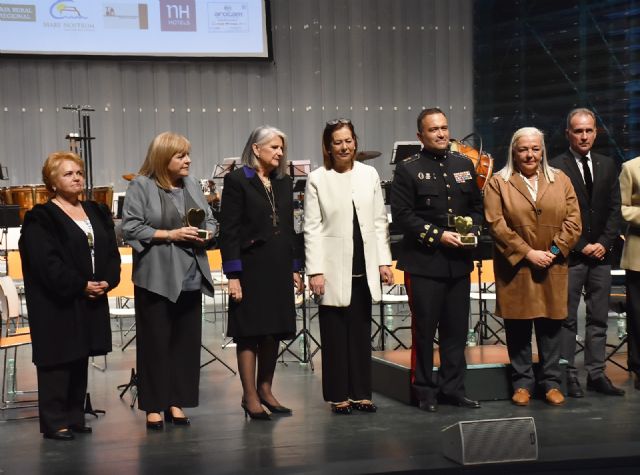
{"points": [[232, 266]]}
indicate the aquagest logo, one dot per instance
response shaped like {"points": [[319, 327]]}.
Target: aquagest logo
{"points": [[177, 15]]}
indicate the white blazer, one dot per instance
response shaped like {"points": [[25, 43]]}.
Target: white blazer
{"points": [[328, 229]]}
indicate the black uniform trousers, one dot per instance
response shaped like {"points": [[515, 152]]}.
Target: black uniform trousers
{"points": [[442, 304], [548, 337], [345, 333], [168, 349], [61, 393], [633, 320]]}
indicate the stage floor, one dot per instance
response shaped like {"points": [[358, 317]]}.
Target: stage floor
{"points": [[587, 435]]}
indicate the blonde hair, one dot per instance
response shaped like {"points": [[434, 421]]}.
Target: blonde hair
{"points": [[510, 167], [52, 165], [161, 149]]}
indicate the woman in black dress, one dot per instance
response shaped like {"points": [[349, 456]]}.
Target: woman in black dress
{"points": [[70, 261], [256, 239]]}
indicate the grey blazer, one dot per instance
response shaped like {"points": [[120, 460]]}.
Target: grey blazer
{"points": [[158, 266]]}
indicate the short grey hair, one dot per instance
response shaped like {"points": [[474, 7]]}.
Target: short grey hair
{"points": [[577, 111], [260, 136], [510, 167]]}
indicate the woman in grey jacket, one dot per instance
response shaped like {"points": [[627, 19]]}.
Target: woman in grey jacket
{"points": [[170, 272]]}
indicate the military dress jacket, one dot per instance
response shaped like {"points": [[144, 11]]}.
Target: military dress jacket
{"points": [[518, 224], [426, 189]]}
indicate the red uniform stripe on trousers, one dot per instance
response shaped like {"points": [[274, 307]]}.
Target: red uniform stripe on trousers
{"points": [[414, 341]]}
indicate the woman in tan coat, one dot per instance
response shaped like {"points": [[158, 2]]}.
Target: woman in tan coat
{"points": [[533, 215]]}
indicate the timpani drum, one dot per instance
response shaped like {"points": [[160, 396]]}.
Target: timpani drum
{"points": [[5, 195], [104, 195], [27, 196]]}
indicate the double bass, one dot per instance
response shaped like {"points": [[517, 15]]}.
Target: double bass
{"points": [[482, 161]]}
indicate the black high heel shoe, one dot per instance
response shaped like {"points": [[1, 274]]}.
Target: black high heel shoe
{"points": [[276, 409], [179, 421], [154, 425], [260, 416]]}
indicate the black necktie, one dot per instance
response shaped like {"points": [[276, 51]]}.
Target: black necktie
{"points": [[586, 172]]}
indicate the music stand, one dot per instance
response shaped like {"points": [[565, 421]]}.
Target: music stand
{"points": [[227, 166], [305, 334], [403, 149]]}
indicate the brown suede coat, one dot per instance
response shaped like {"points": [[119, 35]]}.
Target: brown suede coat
{"points": [[518, 224]]}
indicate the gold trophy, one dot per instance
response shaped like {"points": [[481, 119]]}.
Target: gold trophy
{"points": [[463, 225], [195, 217]]}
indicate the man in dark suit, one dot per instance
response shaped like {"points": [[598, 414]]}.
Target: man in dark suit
{"points": [[429, 189], [595, 179]]}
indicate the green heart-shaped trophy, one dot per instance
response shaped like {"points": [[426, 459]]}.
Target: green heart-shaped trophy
{"points": [[463, 226]]}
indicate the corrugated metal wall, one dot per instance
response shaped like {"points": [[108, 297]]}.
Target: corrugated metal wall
{"points": [[377, 62]]}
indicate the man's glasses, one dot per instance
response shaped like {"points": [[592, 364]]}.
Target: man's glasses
{"points": [[338, 121]]}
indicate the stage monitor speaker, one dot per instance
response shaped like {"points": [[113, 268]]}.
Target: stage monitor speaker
{"points": [[491, 441]]}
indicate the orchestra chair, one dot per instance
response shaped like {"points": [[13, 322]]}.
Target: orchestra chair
{"points": [[219, 302], [483, 291], [14, 270], [121, 301], [395, 294], [618, 310], [13, 334]]}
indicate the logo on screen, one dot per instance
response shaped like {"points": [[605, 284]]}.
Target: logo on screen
{"points": [[12, 12], [178, 15], [125, 16], [65, 9]]}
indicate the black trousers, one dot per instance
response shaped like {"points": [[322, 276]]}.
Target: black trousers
{"points": [[61, 392], [346, 346], [548, 337], [633, 321], [168, 349], [443, 305]]}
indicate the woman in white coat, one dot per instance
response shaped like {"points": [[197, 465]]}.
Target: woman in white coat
{"points": [[347, 252]]}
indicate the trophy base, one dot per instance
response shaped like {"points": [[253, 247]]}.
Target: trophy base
{"points": [[469, 241], [204, 234]]}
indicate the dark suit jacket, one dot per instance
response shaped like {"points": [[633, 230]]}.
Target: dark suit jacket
{"points": [[56, 263], [246, 219], [601, 217]]}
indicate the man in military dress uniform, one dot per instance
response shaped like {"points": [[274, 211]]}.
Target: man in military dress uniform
{"points": [[429, 190]]}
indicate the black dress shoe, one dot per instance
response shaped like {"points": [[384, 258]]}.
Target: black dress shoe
{"points": [[81, 429], [179, 421], [364, 406], [603, 385], [341, 408], [62, 434], [154, 425], [461, 401], [276, 409], [429, 406], [573, 388]]}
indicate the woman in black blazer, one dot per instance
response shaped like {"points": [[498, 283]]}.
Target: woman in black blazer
{"points": [[256, 239], [70, 261]]}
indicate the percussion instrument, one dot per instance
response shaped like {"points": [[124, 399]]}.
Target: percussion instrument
{"points": [[27, 196], [104, 195], [5, 196], [482, 161], [367, 155]]}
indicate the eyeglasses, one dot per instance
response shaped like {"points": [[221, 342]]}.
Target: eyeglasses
{"points": [[338, 121]]}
